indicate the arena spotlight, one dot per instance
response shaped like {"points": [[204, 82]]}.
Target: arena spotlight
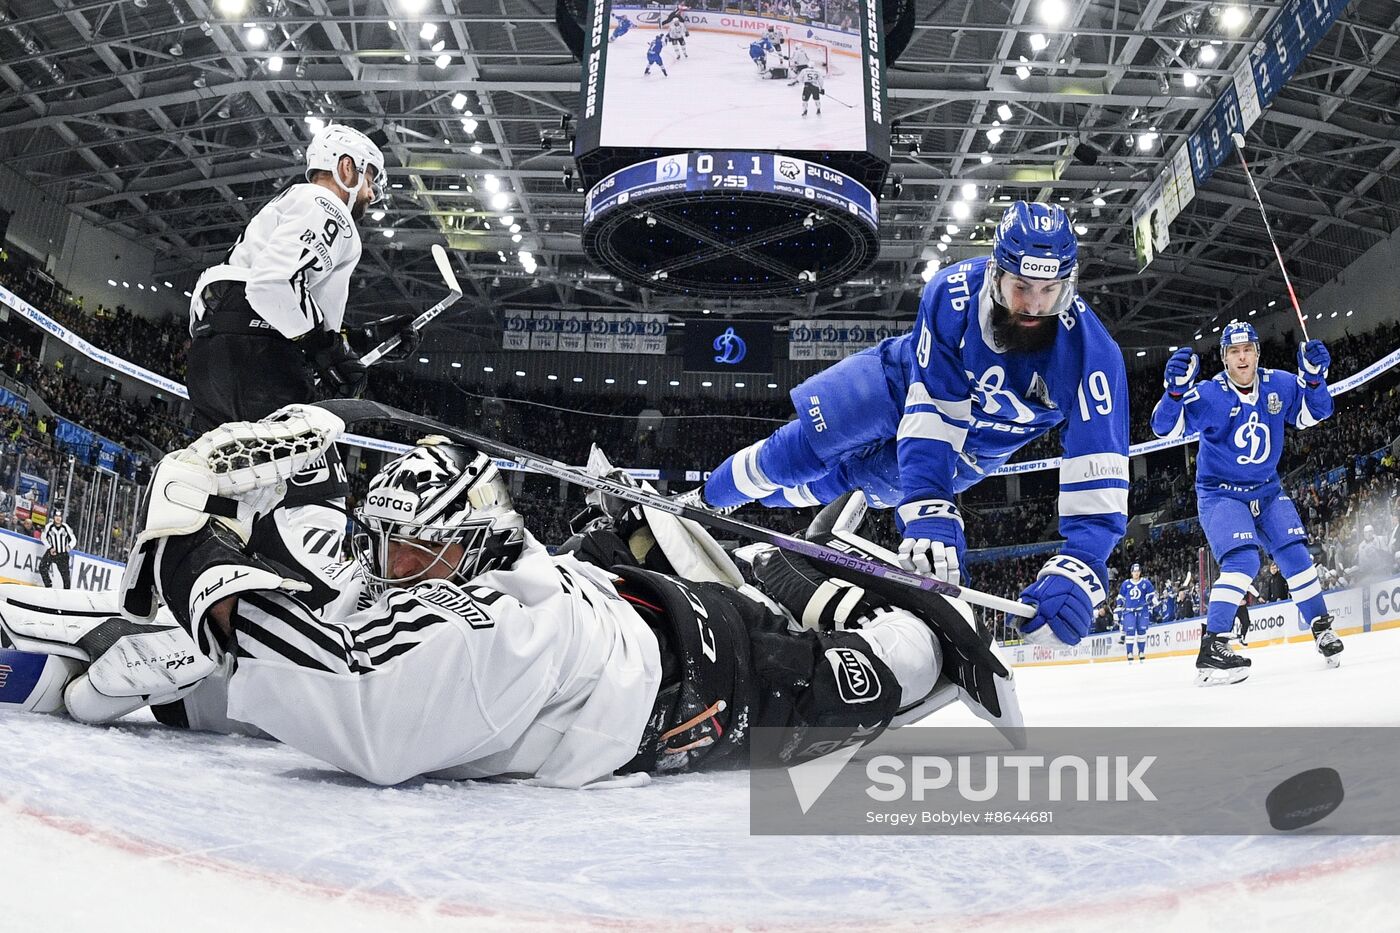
{"points": [[1052, 12]]}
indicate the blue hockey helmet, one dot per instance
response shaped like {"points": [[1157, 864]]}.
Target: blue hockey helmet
{"points": [[1036, 241], [1238, 332], [1137, 568]]}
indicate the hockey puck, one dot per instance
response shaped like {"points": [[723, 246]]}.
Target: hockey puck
{"points": [[1304, 799]]}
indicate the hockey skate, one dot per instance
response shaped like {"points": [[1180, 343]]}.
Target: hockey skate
{"points": [[1217, 664], [1329, 645]]}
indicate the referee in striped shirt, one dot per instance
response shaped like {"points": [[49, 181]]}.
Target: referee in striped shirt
{"points": [[58, 539]]}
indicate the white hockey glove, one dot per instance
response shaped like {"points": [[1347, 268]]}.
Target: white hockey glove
{"points": [[231, 474], [933, 539]]}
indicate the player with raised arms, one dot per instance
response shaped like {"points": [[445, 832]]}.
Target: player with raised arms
{"points": [[1241, 415], [1002, 351], [624, 25], [1137, 597]]}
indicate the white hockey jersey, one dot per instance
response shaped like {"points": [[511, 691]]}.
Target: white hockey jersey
{"points": [[296, 255], [540, 670]]}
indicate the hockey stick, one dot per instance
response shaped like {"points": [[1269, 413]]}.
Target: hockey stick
{"points": [[1239, 148], [838, 100], [356, 411], [454, 292]]}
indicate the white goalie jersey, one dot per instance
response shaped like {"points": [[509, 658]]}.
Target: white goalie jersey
{"points": [[295, 257], [543, 671]]}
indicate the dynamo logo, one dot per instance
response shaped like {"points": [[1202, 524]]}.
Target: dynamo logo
{"points": [[730, 348]]}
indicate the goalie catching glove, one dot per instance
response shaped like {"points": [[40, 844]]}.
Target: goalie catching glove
{"points": [[202, 504]]}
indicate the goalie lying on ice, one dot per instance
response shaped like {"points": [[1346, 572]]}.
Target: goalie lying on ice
{"points": [[455, 645]]}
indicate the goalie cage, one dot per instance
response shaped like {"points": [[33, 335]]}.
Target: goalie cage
{"points": [[819, 55]]}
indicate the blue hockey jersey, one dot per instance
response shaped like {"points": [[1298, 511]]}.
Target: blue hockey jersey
{"points": [[1241, 433], [1135, 596], [968, 405]]}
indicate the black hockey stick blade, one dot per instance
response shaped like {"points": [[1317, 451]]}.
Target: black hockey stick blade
{"points": [[881, 579]]}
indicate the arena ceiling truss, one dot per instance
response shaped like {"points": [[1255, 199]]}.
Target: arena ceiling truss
{"points": [[170, 121]]}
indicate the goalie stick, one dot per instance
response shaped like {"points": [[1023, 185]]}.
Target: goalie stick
{"points": [[454, 292], [978, 669]]}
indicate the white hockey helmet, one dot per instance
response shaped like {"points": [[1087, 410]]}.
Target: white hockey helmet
{"points": [[334, 140], [439, 493]]}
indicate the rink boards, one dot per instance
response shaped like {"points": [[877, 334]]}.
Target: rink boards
{"points": [[19, 563], [1355, 610]]}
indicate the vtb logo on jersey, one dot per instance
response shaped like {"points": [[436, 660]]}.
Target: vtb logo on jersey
{"points": [[1252, 437]]}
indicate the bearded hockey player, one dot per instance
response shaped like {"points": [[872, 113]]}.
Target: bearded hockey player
{"points": [[456, 646], [1241, 415], [1002, 351]]}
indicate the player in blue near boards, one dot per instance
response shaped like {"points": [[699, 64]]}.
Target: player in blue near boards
{"points": [[1241, 415], [1002, 351], [623, 26], [1137, 597], [654, 55]]}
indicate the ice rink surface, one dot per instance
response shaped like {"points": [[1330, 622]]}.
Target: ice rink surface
{"points": [[138, 828], [716, 97]]}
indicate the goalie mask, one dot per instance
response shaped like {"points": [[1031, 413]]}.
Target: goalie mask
{"points": [[437, 495]]}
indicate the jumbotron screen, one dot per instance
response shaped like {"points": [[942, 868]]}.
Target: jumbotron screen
{"points": [[704, 75]]}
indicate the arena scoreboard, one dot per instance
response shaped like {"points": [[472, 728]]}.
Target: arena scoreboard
{"points": [[732, 154]]}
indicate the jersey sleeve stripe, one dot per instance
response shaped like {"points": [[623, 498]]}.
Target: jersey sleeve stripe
{"points": [[931, 425], [748, 478], [252, 637], [1094, 501]]}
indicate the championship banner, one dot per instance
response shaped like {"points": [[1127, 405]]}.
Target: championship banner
{"points": [[1256, 80], [827, 339], [584, 332]]}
